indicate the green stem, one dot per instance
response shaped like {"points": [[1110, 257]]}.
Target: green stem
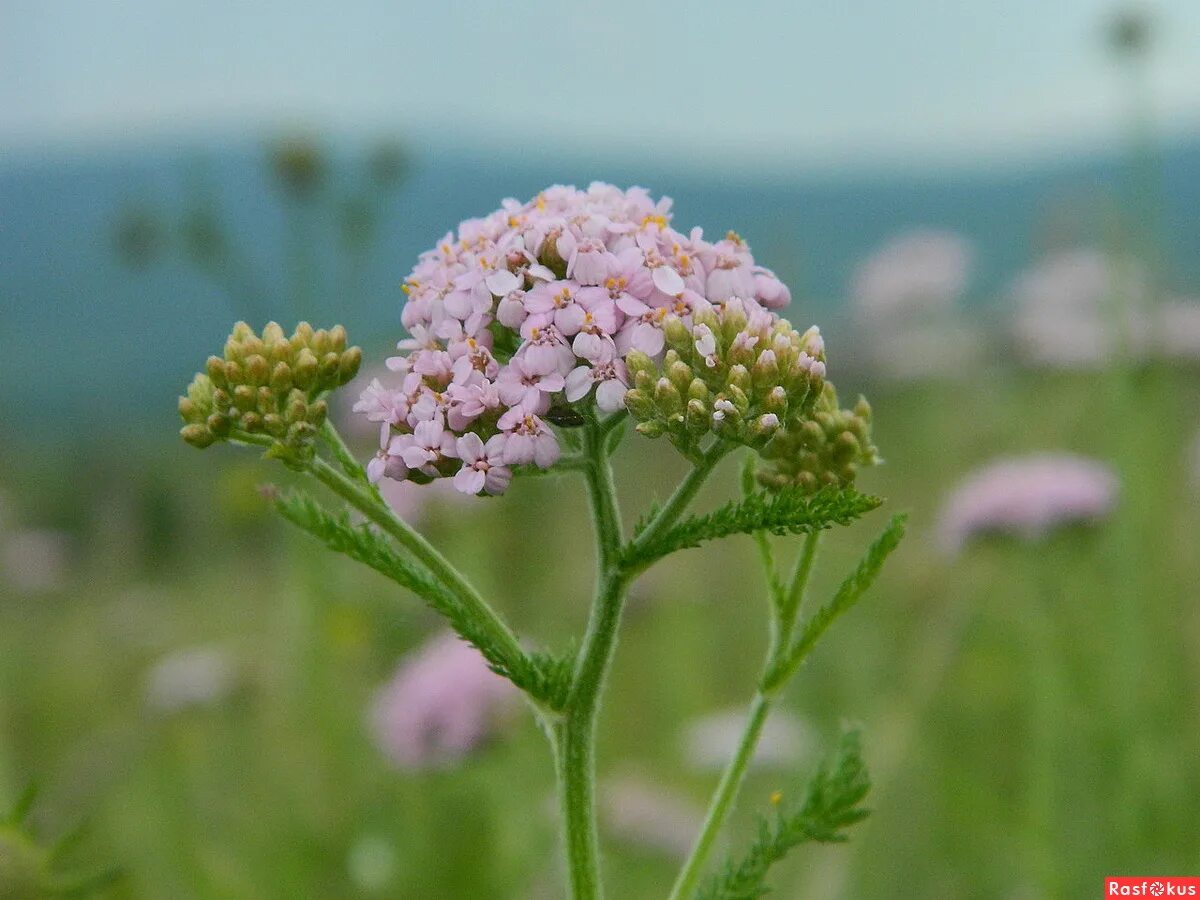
{"points": [[785, 610], [343, 454], [794, 600], [723, 798], [683, 494], [575, 732], [361, 497]]}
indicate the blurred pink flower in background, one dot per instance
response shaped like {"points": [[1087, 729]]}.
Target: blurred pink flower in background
{"points": [[1027, 497], [193, 677], [639, 812], [710, 741], [1076, 308], [919, 271], [410, 501], [442, 702]]}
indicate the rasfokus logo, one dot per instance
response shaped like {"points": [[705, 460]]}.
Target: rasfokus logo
{"points": [[1151, 886]]}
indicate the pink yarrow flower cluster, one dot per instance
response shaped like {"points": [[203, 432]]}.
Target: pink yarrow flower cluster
{"points": [[1027, 497], [527, 315]]}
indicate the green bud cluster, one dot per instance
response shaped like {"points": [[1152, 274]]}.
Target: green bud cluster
{"points": [[829, 448], [268, 385], [743, 375]]}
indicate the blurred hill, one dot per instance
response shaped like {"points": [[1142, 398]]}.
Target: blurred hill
{"points": [[74, 316]]}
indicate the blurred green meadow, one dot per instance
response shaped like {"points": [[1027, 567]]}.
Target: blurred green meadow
{"points": [[1031, 712]]}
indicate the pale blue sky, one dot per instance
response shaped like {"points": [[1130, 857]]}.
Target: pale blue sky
{"points": [[761, 82]]}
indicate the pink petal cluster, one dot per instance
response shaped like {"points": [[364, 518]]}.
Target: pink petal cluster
{"points": [[531, 310], [439, 705], [1027, 497]]}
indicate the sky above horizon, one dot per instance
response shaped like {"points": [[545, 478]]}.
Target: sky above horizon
{"points": [[762, 82]]}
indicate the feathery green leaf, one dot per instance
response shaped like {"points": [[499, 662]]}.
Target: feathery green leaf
{"points": [[788, 511], [830, 805], [849, 593]]}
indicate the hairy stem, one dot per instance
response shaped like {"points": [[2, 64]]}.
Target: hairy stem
{"points": [[785, 608], [575, 733], [683, 494], [363, 498]]}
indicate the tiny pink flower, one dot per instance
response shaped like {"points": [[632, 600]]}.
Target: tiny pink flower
{"points": [[483, 465]]}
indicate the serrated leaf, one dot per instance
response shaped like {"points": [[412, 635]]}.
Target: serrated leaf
{"points": [[787, 511], [830, 804]]}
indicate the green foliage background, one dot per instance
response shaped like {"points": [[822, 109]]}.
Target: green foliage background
{"points": [[275, 793]]}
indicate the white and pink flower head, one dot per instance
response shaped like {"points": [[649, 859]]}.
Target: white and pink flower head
{"points": [[525, 318], [442, 702], [1027, 497]]}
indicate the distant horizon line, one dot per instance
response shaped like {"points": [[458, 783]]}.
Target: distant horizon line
{"points": [[913, 162]]}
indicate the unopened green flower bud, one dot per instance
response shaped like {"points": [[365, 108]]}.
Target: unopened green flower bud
{"points": [[337, 338], [189, 411], [651, 428], [297, 408], [677, 335], [320, 342], [215, 366], [234, 373], [776, 401], [265, 400], [219, 424], [244, 397], [273, 334], [698, 390], [638, 362], [305, 372], [252, 422], [680, 375], [644, 381], [696, 417], [739, 377], [639, 404], [328, 370], [281, 379], [349, 362], [197, 435], [666, 397], [257, 369], [766, 371]]}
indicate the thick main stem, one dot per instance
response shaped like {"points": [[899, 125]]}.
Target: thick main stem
{"points": [[575, 733]]}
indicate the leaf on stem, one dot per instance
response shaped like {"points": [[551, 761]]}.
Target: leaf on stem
{"points": [[831, 803], [787, 511], [849, 593]]}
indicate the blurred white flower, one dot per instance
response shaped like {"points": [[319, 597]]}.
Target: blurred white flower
{"points": [[34, 560], [640, 812], [1177, 329], [918, 271], [1075, 308], [710, 742], [909, 352], [442, 702], [195, 677], [371, 863], [1027, 497], [410, 500]]}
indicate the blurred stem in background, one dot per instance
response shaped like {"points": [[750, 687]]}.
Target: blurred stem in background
{"points": [[303, 170]]}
